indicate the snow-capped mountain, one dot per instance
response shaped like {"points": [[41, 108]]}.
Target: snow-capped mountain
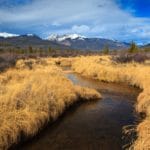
{"points": [[30, 34], [24, 41], [7, 35], [60, 38], [67, 41], [76, 41]]}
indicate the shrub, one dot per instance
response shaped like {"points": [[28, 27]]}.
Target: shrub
{"points": [[126, 58]]}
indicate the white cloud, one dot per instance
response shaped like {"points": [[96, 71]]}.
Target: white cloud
{"points": [[56, 24], [90, 17], [80, 28]]}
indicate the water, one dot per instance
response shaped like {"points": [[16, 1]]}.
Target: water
{"points": [[93, 125]]}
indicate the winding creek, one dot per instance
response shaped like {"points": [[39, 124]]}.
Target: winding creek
{"points": [[94, 125]]}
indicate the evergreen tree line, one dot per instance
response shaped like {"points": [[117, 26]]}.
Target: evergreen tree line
{"points": [[30, 50], [132, 49]]}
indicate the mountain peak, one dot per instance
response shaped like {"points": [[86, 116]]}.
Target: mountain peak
{"points": [[30, 34], [56, 37]]}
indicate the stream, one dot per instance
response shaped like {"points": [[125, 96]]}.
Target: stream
{"points": [[92, 125]]}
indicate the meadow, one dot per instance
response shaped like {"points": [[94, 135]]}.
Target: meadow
{"points": [[33, 93], [104, 68]]}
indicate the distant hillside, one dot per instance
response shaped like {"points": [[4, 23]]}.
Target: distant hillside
{"points": [[147, 46], [72, 41], [24, 41], [80, 42]]}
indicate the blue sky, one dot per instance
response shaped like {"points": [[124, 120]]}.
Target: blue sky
{"points": [[139, 8], [123, 20]]}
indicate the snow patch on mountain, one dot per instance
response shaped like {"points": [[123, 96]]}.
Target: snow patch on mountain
{"points": [[7, 35], [56, 37], [30, 34]]}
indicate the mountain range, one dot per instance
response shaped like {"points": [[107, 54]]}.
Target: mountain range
{"points": [[68, 41], [24, 41], [76, 41]]}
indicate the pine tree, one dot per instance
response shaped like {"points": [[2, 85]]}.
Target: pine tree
{"points": [[133, 48], [30, 49], [106, 50], [49, 49]]}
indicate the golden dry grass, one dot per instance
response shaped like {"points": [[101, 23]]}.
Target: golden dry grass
{"points": [[103, 68], [32, 94], [63, 62]]}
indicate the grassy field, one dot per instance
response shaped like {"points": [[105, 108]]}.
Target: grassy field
{"points": [[33, 93], [104, 68]]}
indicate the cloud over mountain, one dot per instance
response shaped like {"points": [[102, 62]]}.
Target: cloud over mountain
{"points": [[92, 18]]}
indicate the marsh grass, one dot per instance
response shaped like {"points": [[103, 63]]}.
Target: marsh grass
{"points": [[105, 69], [32, 94]]}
